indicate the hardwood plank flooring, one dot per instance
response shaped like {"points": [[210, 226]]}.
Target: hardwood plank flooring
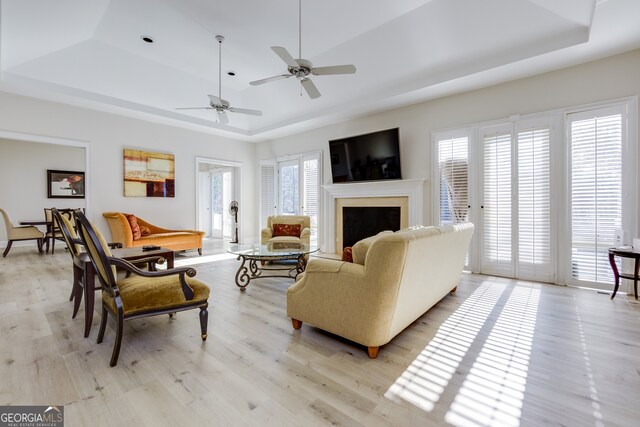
{"points": [[497, 352]]}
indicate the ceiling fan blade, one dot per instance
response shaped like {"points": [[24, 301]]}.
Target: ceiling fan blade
{"points": [[334, 69], [269, 79], [285, 56], [215, 100], [195, 108], [311, 88], [245, 111], [222, 118]]}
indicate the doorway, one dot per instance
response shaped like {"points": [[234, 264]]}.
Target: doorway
{"points": [[218, 185]]}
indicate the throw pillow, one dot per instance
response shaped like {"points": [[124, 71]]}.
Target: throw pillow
{"points": [[135, 228], [144, 230], [347, 254], [286, 230]]}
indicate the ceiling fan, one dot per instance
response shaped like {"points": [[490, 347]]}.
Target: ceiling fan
{"points": [[216, 102], [301, 68]]}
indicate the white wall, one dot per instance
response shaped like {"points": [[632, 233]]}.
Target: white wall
{"points": [[610, 78], [23, 178], [107, 135]]}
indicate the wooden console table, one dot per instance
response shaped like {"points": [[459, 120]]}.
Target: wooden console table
{"points": [[625, 253]]}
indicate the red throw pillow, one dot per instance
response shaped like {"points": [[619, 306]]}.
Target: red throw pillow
{"points": [[286, 230], [135, 228], [347, 255], [144, 230]]}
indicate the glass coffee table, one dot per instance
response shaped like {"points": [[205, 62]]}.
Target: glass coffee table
{"points": [[259, 256]]}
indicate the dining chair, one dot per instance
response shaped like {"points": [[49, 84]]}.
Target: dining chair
{"points": [[144, 293], [15, 234]]}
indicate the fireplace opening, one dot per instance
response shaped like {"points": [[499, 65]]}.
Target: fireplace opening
{"points": [[361, 222]]}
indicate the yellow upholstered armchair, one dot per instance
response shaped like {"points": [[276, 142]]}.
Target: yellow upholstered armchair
{"points": [[122, 231], [287, 228], [144, 293], [20, 233]]}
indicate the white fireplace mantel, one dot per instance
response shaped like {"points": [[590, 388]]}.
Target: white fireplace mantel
{"points": [[413, 189]]}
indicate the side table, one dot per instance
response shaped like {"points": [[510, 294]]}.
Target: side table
{"points": [[625, 253]]}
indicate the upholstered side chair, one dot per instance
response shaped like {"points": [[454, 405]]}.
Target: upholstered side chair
{"points": [[77, 257], [144, 293], [15, 234]]}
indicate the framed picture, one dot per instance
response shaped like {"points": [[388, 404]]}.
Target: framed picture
{"points": [[65, 184], [148, 174]]}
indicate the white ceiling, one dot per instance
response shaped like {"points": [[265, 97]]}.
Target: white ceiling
{"points": [[90, 53]]}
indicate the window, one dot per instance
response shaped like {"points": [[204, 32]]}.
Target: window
{"points": [[268, 203], [291, 187], [496, 207], [453, 168], [596, 139], [534, 204]]}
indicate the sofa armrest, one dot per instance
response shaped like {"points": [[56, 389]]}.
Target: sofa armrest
{"points": [[266, 234], [305, 235], [120, 228]]}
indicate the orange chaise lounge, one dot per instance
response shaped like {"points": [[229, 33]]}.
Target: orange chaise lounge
{"points": [[177, 240]]}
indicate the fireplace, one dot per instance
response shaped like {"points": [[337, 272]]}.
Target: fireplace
{"points": [[405, 196], [360, 222]]}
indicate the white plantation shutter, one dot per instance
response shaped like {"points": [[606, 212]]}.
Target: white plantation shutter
{"points": [[534, 205], [596, 191], [267, 192], [311, 189], [496, 207], [453, 163]]}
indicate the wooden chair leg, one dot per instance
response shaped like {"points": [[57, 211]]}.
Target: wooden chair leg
{"points": [[76, 291], [199, 251], [204, 319], [373, 352], [6, 251], [103, 324], [297, 324], [53, 245], [40, 243], [118, 342]]}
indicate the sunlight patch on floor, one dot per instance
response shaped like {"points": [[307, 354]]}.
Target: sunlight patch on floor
{"points": [[493, 391], [422, 383], [203, 259]]}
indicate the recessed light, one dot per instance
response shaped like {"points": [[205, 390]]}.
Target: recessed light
{"points": [[147, 39], [231, 73]]}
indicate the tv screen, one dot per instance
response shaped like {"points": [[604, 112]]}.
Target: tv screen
{"points": [[370, 157]]}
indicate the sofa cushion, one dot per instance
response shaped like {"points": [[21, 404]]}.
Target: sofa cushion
{"points": [[287, 230], [360, 249], [135, 228]]}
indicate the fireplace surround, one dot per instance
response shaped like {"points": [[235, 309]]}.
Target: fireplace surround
{"points": [[408, 194]]}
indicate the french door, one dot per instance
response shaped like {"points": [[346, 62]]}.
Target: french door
{"points": [[516, 220]]}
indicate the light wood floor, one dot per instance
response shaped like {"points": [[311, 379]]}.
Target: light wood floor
{"points": [[498, 352]]}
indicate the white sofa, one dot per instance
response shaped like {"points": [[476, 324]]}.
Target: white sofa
{"points": [[394, 279]]}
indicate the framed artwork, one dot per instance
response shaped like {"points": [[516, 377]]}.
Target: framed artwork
{"points": [[148, 174], [65, 184]]}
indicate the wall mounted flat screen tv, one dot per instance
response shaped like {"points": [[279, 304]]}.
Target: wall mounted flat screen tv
{"points": [[370, 157]]}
